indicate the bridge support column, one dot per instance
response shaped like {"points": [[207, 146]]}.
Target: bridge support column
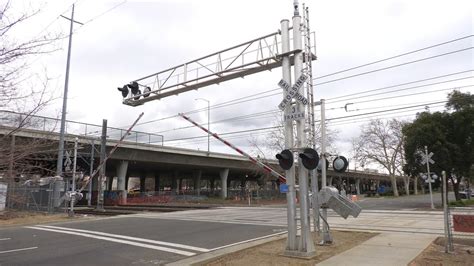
{"points": [[110, 181], [142, 183], [121, 180], [224, 173], [357, 185], [174, 182], [330, 181], [197, 182], [242, 186], [157, 182], [212, 183]]}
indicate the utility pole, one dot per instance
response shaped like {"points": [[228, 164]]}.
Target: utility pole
{"points": [[100, 181], [59, 167]]}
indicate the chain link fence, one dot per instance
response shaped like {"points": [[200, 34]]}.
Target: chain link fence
{"points": [[48, 124], [34, 196]]}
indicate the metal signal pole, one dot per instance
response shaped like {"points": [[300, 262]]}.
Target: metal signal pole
{"points": [[290, 174], [327, 238], [306, 246]]}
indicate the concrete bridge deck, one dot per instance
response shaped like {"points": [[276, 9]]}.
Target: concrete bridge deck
{"points": [[170, 165]]}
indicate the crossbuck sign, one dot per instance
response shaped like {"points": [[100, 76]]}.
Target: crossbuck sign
{"points": [[292, 92], [427, 158]]}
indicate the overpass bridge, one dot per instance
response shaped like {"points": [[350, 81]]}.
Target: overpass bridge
{"points": [[159, 167]]}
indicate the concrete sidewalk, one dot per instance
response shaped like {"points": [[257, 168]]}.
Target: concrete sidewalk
{"points": [[384, 249]]}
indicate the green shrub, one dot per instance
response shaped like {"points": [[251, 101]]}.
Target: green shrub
{"points": [[461, 203]]}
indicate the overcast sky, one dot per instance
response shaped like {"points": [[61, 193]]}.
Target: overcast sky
{"points": [[138, 38]]}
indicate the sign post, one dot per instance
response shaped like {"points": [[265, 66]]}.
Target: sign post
{"points": [[427, 160], [447, 225]]}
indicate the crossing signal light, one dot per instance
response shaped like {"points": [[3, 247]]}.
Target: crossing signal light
{"points": [[137, 97], [124, 91], [285, 159], [340, 164], [309, 158], [146, 92], [134, 87]]}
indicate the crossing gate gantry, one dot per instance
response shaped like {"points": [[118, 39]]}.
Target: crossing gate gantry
{"points": [[254, 56]]}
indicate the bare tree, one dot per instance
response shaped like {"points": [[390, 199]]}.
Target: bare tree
{"points": [[274, 141], [20, 89], [23, 93], [381, 143]]}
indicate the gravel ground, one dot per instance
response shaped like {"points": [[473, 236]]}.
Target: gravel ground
{"points": [[272, 253], [434, 254]]}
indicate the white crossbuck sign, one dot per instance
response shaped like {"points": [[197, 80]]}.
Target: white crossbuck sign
{"points": [[292, 92], [427, 158]]}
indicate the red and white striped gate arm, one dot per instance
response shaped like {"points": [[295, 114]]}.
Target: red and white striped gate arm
{"points": [[260, 164]]}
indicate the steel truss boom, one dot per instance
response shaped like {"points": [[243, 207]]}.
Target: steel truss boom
{"points": [[257, 55]]}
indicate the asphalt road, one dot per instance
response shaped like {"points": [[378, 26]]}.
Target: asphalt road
{"points": [[160, 238], [120, 241]]}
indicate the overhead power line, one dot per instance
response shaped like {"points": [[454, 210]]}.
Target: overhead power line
{"points": [[393, 57], [401, 84], [268, 112], [388, 115], [248, 97], [105, 12], [403, 89], [394, 66], [328, 119], [412, 94]]}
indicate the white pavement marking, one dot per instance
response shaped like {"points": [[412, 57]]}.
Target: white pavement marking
{"points": [[15, 250], [144, 240], [171, 250], [2, 239]]}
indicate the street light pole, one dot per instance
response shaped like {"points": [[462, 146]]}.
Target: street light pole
{"points": [[208, 121]]}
